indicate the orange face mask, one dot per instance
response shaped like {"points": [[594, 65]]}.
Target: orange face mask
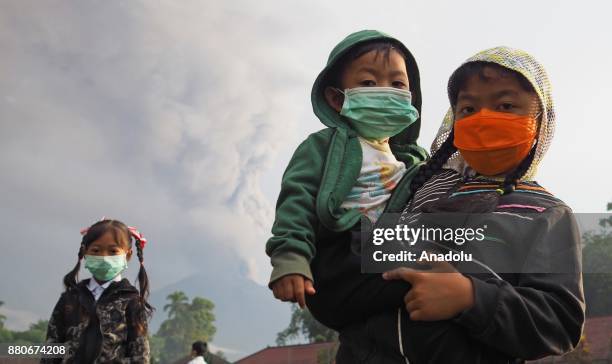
{"points": [[494, 142]]}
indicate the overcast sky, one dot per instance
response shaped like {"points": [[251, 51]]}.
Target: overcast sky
{"points": [[180, 116]]}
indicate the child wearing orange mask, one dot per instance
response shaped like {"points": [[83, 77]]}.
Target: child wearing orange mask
{"points": [[484, 160]]}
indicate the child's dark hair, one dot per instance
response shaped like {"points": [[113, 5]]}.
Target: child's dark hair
{"points": [[383, 47], [457, 82], [199, 347], [121, 233], [462, 74]]}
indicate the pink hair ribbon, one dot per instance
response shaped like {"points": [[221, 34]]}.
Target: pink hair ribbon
{"points": [[138, 236], [86, 229]]}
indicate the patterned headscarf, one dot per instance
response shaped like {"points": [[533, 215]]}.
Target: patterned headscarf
{"points": [[523, 63]]}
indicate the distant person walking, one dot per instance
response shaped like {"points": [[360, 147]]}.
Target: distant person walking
{"points": [[198, 350]]}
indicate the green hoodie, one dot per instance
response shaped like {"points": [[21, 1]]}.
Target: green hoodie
{"points": [[325, 167]]}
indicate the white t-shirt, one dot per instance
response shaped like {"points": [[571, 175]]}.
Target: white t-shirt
{"points": [[197, 360], [380, 172]]}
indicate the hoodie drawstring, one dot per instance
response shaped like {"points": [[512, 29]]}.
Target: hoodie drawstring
{"points": [[399, 334]]}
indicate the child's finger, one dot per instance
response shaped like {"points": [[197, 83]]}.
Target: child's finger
{"points": [[275, 291], [279, 291], [411, 301], [416, 315], [407, 274], [298, 291], [308, 287], [413, 305], [410, 296], [288, 291]]}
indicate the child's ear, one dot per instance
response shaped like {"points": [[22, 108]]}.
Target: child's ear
{"points": [[128, 255], [334, 98]]}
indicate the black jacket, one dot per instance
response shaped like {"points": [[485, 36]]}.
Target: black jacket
{"points": [[111, 330], [518, 317]]}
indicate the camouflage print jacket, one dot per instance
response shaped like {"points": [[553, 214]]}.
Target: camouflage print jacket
{"points": [[111, 330]]}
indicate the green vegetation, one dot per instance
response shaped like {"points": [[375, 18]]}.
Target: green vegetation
{"points": [[34, 335], [186, 323]]}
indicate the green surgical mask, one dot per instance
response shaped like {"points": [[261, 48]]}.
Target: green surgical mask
{"points": [[378, 112], [105, 268]]}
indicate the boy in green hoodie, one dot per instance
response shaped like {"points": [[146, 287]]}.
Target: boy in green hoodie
{"points": [[368, 96]]}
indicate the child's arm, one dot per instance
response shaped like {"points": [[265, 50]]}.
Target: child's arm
{"points": [[56, 329], [543, 314], [138, 350], [540, 317], [292, 245]]}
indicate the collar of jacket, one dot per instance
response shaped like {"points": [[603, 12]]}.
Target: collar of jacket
{"points": [[121, 287]]}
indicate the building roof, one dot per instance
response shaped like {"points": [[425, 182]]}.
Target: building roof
{"points": [[291, 354], [598, 335], [598, 332], [209, 357]]}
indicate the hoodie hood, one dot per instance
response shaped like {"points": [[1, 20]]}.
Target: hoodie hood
{"points": [[523, 63], [331, 118]]}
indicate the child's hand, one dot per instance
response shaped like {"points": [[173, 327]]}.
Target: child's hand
{"points": [[438, 295], [292, 288]]}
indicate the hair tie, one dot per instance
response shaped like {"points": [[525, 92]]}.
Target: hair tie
{"points": [[140, 239]]}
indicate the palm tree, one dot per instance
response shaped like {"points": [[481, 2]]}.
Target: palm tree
{"points": [[178, 303], [2, 317]]}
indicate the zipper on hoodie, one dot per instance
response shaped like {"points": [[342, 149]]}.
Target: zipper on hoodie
{"points": [[96, 303]]}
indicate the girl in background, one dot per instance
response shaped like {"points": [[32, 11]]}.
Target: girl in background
{"points": [[104, 318]]}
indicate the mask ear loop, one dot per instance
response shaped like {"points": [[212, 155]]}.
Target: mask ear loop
{"points": [[340, 91], [537, 116], [343, 93]]}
